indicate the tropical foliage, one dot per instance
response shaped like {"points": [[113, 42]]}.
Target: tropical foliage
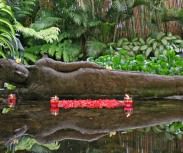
{"points": [[171, 131], [154, 45], [23, 9], [167, 64], [76, 29], [29, 143], [8, 43]]}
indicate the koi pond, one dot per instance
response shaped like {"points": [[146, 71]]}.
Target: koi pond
{"points": [[154, 127]]}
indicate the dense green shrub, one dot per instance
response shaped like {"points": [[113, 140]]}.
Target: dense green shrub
{"points": [[167, 64], [66, 51], [154, 45]]}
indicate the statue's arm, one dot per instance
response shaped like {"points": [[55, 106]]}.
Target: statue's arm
{"points": [[66, 67]]}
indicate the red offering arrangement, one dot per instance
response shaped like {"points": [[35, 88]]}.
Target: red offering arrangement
{"points": [[126, 104], [95, 104], [12, 100]]}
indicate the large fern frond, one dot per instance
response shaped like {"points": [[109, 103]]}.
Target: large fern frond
{"points": [[49, 35]]}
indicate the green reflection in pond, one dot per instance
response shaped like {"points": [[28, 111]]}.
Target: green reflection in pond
{"points": [[146, 140], [28, 143], [155, 139], [86, 130]]}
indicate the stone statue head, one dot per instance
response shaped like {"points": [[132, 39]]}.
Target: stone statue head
{"points": [[10, 71]]}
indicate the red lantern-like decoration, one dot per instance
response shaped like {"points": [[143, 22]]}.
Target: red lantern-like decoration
{"points": [[12, 100], [128, 105], [54, 108]]}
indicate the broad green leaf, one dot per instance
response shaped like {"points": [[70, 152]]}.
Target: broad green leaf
{"points": [[144, 47], [6, 110]]}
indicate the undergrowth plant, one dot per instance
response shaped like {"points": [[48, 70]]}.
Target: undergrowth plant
{"points": [[66, 51], [167, 64], [154, 45], [171, 131]]}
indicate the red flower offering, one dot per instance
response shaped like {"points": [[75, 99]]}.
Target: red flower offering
{"points": [[12, 100], [91, 104], [127, 104]]}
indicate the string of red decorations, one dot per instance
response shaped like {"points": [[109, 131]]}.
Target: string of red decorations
{"points": [[126, 104]]}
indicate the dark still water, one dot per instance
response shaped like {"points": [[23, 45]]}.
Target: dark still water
{"points": [[154, 127]]}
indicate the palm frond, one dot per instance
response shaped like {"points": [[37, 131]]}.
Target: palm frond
{"points": [[7, 32]]}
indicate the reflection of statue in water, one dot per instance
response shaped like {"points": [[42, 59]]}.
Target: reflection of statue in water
{"points": [[170, 131], [23, 141], [82, 79]]}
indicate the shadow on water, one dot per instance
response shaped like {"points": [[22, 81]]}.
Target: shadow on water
{"points": [[149, 129]]}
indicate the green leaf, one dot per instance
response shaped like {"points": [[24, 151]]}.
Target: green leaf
{"points": [[126, 47], [2, 54], [30, 57], [7, 11], [155, 45], [144, 47], [136, 48], [178, 41], [8, 24], [52, 50], [148, 51], [6, 110], [142, 41], [160, 35], [150, 41], [164, 42], [156, 129], [9, 86], [58, 54]]}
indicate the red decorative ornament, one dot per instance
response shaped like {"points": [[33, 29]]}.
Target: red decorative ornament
{"points": [[54, 109], [127, 104], [12, 100]]}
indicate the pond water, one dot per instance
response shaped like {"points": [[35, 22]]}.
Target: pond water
{"points": [[148, 130]]}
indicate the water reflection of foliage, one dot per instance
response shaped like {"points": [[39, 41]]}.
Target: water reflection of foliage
{"points": [[172, 131], [29, 143]]}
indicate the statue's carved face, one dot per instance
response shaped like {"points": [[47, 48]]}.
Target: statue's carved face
{"points": [[11, 71]]}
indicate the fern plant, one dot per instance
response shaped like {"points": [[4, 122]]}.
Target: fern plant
{"points": [[48, 35], [23, 8], [66, 51]]}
